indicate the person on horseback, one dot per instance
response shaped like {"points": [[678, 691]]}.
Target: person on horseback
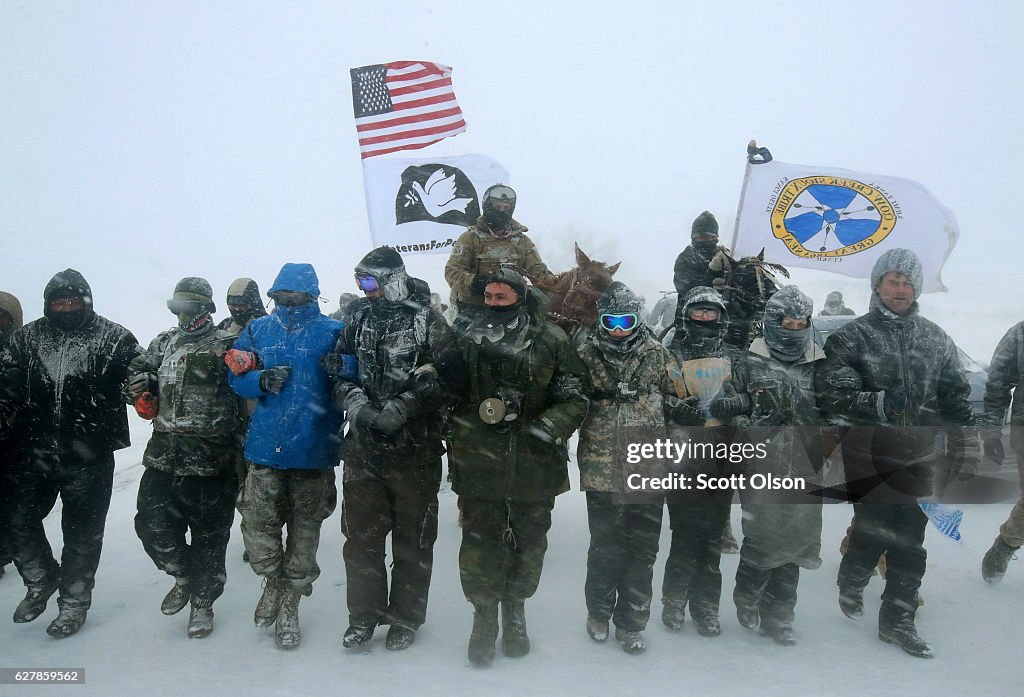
{"points": [[496, 241], [692, 265]]}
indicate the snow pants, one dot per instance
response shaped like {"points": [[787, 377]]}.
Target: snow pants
{"points": [[1012, 531], [620, 563], [84, 485], [896, 530], [168, 507], [772, 592], [401, 502], [299, 499], [6, 504], [692, 570], [503, 547]]}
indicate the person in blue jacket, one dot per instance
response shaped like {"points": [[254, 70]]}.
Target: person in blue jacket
{"points": [[292, 446]]}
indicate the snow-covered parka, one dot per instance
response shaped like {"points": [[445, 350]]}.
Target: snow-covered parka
{"points": [[782, 415], [907, 360], [10, 305], [63, 388], [1004, 376], [297, 428]]}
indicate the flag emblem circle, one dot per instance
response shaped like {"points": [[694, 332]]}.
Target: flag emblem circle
{"points": [[827, 217]]}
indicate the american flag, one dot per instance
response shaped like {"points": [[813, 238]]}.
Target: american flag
{"points": [[404, 105]]}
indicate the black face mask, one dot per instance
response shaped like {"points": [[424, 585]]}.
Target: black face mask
{"points": [[706, 248], [702, 330], [497, 221], [69, 321]]}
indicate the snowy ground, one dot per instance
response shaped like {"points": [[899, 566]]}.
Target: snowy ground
{"points": [[128, 647]]}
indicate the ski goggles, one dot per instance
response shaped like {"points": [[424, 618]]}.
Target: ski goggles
{"points": [[180, 306], [626, 321], [367, 283]]}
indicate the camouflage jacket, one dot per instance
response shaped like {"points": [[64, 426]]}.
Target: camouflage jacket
{"points": [[200, 423], [627, 405], [508, 460], [478, 253]]}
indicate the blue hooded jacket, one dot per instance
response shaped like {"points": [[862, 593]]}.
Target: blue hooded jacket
{"points": [[298, 428]]}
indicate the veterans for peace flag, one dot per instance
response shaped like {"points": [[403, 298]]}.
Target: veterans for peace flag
{"points": [[424, 204], [404, 105], [837, 220]]}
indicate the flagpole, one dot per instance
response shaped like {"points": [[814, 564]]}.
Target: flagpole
{"points": [[743, 193]]}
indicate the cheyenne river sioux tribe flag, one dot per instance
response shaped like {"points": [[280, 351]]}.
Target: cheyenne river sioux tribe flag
{"points": [[404, 105], [423, 205], [841, 221]]}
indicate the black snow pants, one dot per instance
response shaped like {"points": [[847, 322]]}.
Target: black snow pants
{"points": [[84, 483], [692, 570], [620, 563], [772, 592], [168, 507]]}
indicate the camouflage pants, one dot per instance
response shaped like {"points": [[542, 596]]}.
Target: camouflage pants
{"points": [[503, 547], [170, 506], [84, 487], [402, 503], [620, 563], [1012, 531], [692, 570], [896, 530], [300, 499], [771, 591]]}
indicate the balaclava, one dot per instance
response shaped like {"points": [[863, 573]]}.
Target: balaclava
{"points": [[68, 284], [788, 345], [704, 225], [499, 222], [192, 303], [244, 291], [704, 337]]}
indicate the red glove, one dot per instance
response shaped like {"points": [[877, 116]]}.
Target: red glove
{"points": [[147, 406], [240, 362]]}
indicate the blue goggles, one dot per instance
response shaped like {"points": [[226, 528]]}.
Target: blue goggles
{"points": [[626, 322], [366, 283]]}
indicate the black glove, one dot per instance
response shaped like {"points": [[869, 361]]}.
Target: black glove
{"points": [[994, 450], [728, 407], [544, 430], [895, 404], [478, 284], [391, 418], [139, 384], [426, 387], [685, 412], [273, 379]]}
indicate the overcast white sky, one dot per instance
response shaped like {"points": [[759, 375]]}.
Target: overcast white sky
{"points": [[143, 142]]}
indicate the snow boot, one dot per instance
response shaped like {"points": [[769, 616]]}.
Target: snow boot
{"points": [[632, 642], [748, 616], [997, 558], [33, 604], [707, 624], [270, 602], [357, 635], [597, 629], [673, 614], [900, 630], [851, 602], [287, 634], [176, 598], [69, 621], [399, 638], [485, 633], [781, 634], [200, 622], [514, 640]]}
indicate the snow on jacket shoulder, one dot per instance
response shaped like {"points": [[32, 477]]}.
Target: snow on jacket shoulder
{"points": [[299, 427]]}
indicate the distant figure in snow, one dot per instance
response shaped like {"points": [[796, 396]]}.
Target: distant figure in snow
{"points": [[834, 305]]}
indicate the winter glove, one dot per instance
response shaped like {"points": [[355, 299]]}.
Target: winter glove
{"points": [[273, 379], [391, 418], [730, 406], [478, 284], [138, 385], [894, 404], [994, 450], [425, 386], [147, 406], [544, 429], [685, 412], [241, 362], [963, 454]]}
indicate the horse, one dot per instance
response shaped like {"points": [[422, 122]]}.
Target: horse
{"points": [[574, 293], [748, 283]]}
